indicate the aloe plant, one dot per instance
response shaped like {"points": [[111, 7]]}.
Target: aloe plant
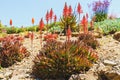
{"points": [[59, 60], [65, 22]]}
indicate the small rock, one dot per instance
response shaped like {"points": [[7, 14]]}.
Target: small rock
{"points": [[75, 34], [1, 76], [14, 78], [101, 66], [111, 63], [83, 76], [62, 38], [8, 74], [117, 36]]}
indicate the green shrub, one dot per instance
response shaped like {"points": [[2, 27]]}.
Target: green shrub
{"points": [[32, 28], [12, 50], [19, 30], [11, 30], [59, 60], [88, 39]]}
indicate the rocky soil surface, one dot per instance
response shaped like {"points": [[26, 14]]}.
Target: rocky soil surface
{"points": [[22, 70], [106, 68], [108, 65]]}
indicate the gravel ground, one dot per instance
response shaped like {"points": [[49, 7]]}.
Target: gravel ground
{"points": [[108, 51]]}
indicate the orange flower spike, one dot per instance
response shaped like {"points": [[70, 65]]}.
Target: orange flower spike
{"points": [[11, 22], [33, 21]]}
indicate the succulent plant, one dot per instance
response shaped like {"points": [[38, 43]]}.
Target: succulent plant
{"points": [[88, 39], [59, 60], [12, 50]]}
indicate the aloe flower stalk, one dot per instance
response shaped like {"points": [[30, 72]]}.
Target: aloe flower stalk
{"points": [[70, 10], [33, 21], [55, 18], [41, 26], [51, 15], [79, 10], [91, 23], [84, 24], [68, 33], [32, 37], [11, 22], [65, 10], [47, 18]]}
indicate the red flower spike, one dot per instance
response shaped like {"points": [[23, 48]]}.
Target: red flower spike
{"points": [[51, 13], [47, 17], [79, 9], [84, 23], [55, 18], [70, 10], [41, 24], [65, 10], [11, 22], [33, 21]]}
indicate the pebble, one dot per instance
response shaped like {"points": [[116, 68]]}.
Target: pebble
{"points": [[108, 62], [1, 76], [8, 74]]}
